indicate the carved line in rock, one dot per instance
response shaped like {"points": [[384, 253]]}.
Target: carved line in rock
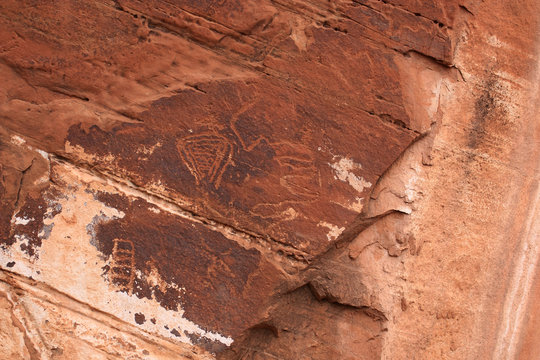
{"points": [[206, 156], [122, 271]]}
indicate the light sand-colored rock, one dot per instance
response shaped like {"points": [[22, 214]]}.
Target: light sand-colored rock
{"points": [[274, 179]]}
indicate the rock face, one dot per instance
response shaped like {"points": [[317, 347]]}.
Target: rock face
{"points": [[283, 179]]}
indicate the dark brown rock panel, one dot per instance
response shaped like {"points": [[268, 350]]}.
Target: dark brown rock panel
{"points": [[253, 155], [179, 164], [23, 178], [215, 272], [143, 253], [258, 145]]}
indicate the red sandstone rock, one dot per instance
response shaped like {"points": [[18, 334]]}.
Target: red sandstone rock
{"points": [[284, 179]]}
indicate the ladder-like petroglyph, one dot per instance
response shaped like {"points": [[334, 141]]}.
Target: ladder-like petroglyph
{"points": [[206, 156], [122, 271]]}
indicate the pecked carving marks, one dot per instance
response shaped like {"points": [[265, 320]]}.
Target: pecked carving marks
{"points": [[257, 156], [122, 272], [206, 156], [183, 264]]}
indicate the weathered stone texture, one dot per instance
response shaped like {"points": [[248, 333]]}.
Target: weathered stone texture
{"points": [[289, 179]]}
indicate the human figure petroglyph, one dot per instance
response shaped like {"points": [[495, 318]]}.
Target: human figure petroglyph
{"points": [[206, 156]]}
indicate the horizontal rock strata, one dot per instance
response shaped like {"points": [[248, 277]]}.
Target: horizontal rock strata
{"points": [[275, 179]]}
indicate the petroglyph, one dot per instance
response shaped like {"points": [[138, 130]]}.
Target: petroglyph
{"points": [[300, 173], [279, 212], [122, 272], [206, 156], [294, 162], [299, 185]]}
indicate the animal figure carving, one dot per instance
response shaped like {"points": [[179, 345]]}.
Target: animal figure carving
{"points": [[206, 156]]}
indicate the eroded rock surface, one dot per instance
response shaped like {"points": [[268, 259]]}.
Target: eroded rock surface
{"points": [[283, 179]]}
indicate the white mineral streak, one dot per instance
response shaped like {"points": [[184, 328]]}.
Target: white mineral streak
{"points": [[21, 221], [69, 262], [527, 258], [357, 205], [344, 172], [334, 232], [17, 140]]}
